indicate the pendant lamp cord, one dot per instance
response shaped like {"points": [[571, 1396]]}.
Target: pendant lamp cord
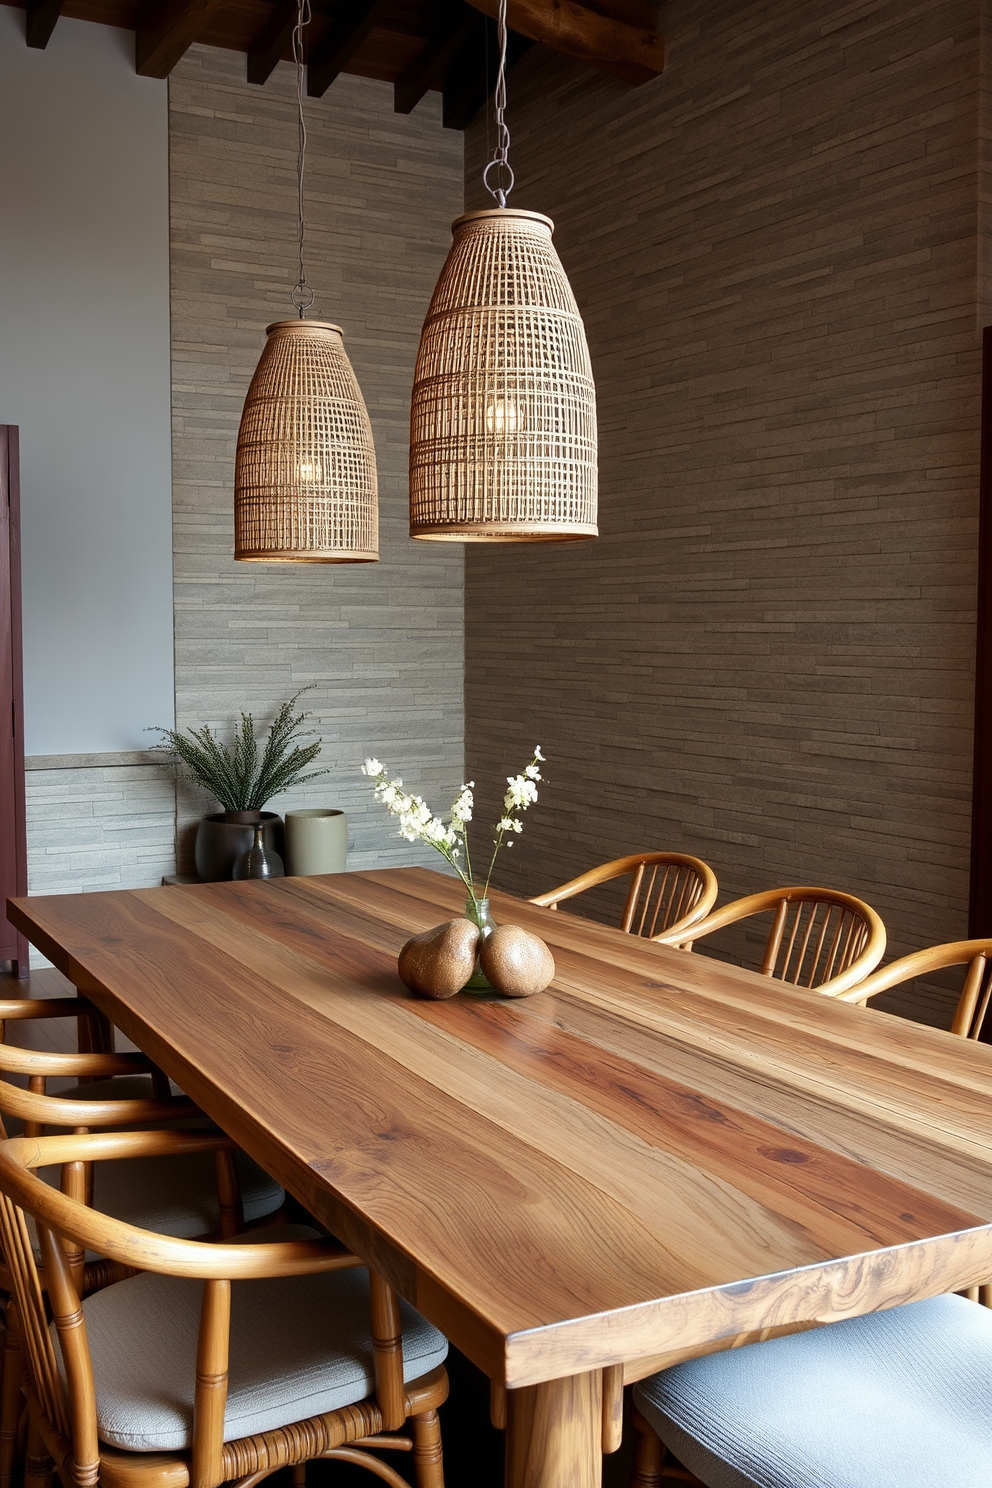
{"points": [[303, 296], [500, 161]]}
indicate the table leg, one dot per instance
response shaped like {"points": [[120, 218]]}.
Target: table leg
{"points": [[554, 1436]]}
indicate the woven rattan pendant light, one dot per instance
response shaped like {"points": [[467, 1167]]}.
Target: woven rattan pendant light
{"points": [[305, 488], [503, 419]]}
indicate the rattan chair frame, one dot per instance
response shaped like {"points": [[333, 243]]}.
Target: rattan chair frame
{"points": [[63, 1412], [973, 1002], [685, 894], [828, 952], [38, 1111]]}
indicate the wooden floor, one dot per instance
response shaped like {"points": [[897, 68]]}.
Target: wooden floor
{"points": [[473, 1450]]}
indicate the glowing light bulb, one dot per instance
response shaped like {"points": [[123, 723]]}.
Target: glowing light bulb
{"points": [[309, 472], [501, 417]]}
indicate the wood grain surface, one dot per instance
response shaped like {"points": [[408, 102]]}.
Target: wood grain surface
{"points": [[658, 1156]]}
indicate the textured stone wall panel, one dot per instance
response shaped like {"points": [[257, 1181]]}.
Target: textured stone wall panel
{"points": [[766, 659]]}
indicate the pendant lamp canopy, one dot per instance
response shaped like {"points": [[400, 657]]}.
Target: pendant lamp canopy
{"points": [[305, 488], [305, 475], [503, 421]]}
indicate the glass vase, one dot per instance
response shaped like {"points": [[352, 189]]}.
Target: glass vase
{"points": [[259, 861], [477, 910]]}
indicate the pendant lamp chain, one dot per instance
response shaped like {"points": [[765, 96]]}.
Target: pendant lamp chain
{"points": [[303, 295], [500, 161]]}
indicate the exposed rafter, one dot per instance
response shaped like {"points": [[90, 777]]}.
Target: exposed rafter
{"points": [[350, 24], [455, 26], [417, 45], [272, 42], [168, 31], [599, 36], [42, 15]]}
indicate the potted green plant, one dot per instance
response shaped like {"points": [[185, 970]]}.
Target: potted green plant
{"points": [[242, 779]]}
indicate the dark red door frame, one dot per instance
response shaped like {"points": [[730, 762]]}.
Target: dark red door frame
{"points": [[13, 829]]}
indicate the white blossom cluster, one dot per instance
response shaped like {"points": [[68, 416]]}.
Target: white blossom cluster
{"points": [[521, 793], [418, 823]]}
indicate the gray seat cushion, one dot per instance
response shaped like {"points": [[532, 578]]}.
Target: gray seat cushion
{"points": [[897, 1399], [299, 1346]]}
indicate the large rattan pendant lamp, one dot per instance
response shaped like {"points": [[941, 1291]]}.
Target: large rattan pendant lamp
{"points": [[503, 420], [305, 488]]}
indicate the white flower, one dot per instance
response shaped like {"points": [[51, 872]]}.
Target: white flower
{"points": [[520, 794], [532, 772], [461, 810], [373, 767], [537, 752]]}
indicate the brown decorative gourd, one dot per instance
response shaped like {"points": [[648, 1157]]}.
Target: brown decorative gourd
{"points": [[517, 963], [437, 963]]}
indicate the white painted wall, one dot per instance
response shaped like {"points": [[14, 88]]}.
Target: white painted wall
{"points": [[84, 371]]}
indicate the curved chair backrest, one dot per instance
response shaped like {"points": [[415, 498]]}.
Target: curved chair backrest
{"points": [[973, 1002], [668, 890], [37, 1109], [66, 1401], [819, 938]]}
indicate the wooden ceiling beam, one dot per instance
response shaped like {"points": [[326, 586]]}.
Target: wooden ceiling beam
{"points": [[272, 43], [166, 33], [456, 25], [41, 18], [471, 78], [607, 41], [347, 29]]}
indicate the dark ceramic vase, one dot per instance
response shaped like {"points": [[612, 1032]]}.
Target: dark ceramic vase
{"points": [[259, 861], [223, 837]]}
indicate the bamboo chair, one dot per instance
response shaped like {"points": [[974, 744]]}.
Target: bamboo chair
{"points": [[364, 1364], [668, 891], [969, 1015], [191, 1195], [819, 938]]}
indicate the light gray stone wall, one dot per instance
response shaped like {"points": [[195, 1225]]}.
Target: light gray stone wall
{"points": [[98, 821], [382, 643]]}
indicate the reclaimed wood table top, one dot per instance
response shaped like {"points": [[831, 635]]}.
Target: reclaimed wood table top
{"points": [[659, 1155]]}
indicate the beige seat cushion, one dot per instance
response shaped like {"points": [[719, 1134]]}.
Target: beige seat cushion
{"points": [[299, 1346]]}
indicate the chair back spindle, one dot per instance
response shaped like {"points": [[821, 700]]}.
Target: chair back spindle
{"points": [[32, 1322], [210, 1394], [387, 1351]]}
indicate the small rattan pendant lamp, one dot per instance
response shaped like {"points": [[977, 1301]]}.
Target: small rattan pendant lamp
{"points": [[305, 488], [503, 418]]}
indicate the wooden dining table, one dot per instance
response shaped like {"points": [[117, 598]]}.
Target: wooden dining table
{"points": [[660, 1156]]}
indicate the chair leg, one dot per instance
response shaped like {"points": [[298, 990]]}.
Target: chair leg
{"points": [[10, 1398], [300, 1475], [38, 1467], [427, 1464], [649, 1456]]}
